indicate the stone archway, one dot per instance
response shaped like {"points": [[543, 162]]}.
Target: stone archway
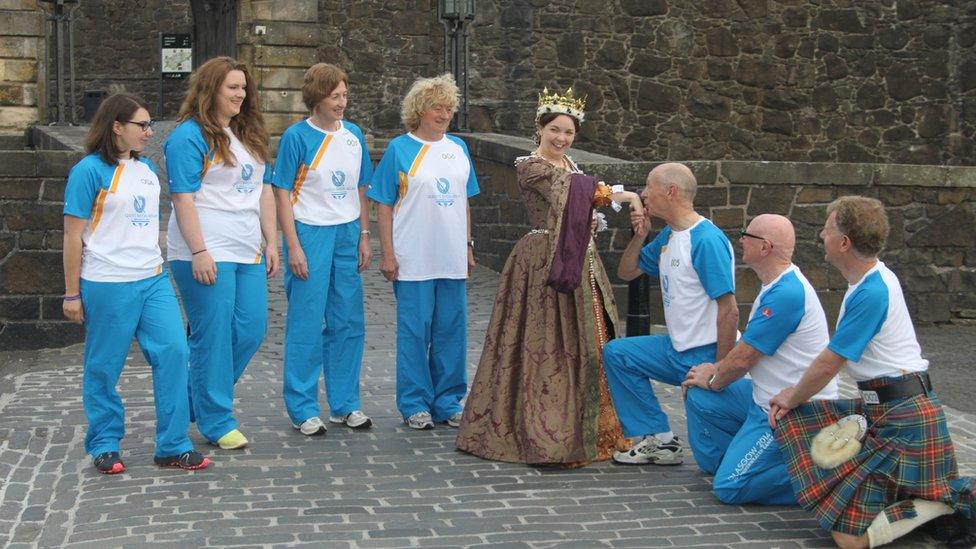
{"points": [[214, 29]]}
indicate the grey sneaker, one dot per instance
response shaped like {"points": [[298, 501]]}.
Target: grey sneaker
{"points": [[420, 421], [311, 427], [649, 450], [354, 420], [454, 420]]}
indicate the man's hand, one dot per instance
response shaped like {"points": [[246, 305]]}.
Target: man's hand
{"points": [[697, 376], [780, 405]]}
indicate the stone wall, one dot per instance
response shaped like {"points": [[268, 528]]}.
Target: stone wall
{"points": [[21, 45], [117, 49], [932, 212], [31, 233], [873, 81]]}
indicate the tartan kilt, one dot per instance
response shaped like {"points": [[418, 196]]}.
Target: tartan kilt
{"points": [[907, 454]]}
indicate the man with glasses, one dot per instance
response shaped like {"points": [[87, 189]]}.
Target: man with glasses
{"points": [[694, 262], [787, 329]]}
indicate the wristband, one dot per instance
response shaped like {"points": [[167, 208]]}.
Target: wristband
{"points": [[75, 297], [364, 231], [199, 251]]}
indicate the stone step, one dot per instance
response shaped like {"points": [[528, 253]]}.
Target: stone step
{"points": [[12, 141]]}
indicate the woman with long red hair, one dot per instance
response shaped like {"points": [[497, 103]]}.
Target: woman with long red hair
{"points": [[222, 242]]}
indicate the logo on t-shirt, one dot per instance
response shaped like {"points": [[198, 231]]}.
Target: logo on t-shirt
{"points": [[666, 285], [244, 185], [767, 312], [140, 218], [338, 179], [444, 188]]}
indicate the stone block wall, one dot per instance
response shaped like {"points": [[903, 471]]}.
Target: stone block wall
{"points": [[932, 212], [31, 233], [21, 46], [117, 49], [876, 81]]}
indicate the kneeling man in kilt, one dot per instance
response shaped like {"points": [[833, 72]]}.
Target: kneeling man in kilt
{"points": [[904, 472]]}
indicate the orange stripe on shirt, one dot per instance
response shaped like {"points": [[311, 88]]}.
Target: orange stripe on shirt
{"points": [[322, 147], [257, 258], [299, 181], [103, 194], [207, 163], [303, 170], [402, 190], [420, 158]]}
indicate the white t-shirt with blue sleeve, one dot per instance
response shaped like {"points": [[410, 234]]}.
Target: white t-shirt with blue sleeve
{"points": [[323, 171], [428, 185], [227, 197], [874, 332], [121, 204], [695, 267], [788, 326]]}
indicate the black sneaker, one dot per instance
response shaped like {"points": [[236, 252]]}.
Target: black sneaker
{"points": [[109, 463], [187, 460]]}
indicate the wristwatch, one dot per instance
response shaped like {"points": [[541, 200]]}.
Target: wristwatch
{"points": [[471, 244], [711, 378]]}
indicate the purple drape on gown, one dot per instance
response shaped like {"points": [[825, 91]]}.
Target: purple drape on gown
{"points": [[567, 263]]}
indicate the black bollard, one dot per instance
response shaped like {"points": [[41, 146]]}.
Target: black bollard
{"points": [[638, 307]]}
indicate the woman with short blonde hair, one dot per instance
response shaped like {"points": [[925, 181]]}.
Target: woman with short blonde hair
{"points": [[421, 189]]}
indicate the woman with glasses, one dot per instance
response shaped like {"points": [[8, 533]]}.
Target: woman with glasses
{"points": [[115, 286], [222, 242], [320, 181]]}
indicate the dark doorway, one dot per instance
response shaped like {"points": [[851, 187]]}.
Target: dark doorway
{"points": [[214, 29]]}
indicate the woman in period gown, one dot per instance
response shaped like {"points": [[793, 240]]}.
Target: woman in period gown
{"points": [[540, 394]]}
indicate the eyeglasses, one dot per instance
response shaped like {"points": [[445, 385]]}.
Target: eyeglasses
{"points": [[144, 124], [757, 237]]}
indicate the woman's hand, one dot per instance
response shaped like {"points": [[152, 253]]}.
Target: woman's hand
{"points": [[471, 262], [390, 267], [365, 252], [297, 262], [73, 310], [272, 260], [204, 268]]}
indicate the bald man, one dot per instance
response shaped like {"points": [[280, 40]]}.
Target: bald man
{"points": [[786, 331], [694, 261]]}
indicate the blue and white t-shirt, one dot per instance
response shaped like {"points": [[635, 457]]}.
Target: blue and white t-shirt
{"points": [[874, 332], [121, 204], [788, 326], [695, 267], [227, 198], [323, 170], [428, 185]]}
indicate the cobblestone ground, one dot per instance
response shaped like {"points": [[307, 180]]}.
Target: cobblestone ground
{"points": [[387, 487]]}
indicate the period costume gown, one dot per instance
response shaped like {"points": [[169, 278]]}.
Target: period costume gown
{"points": [[540, 393]]}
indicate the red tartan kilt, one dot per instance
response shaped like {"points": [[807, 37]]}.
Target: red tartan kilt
{"points": [[906, 454]]}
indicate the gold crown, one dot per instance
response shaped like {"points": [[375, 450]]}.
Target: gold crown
{"points": [[562, 104]]}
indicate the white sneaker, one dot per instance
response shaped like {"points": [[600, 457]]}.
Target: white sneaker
{"points": [[354, 420], [420, 421], [311, 427], [650, 450], [454, 420]]}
